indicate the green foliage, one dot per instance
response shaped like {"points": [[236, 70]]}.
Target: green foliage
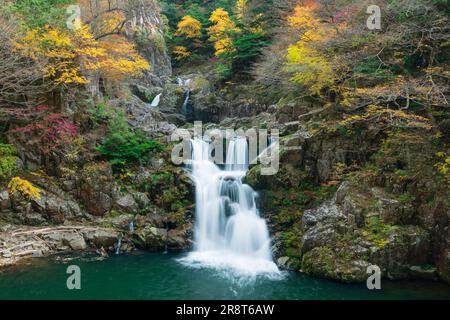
{"points": [[168, 193], [377, 231], [223, 71], [402, 174], [123, 145], [38, 13], [371, 71], [244, 44], [406, 198], [100, 113], [320, 260], [285, 217], [8, 161], [248, 47]]}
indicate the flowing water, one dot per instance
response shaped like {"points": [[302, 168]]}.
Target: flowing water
{"points": [[187, 109], [156, 101], [229, 233], [161, 276]]}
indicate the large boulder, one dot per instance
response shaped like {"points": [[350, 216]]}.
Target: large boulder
{"points": [[98, 238], [327, 211], [151, 238], [55, 209], [65, 240], [126, 203], [363, 226], [180, 238]]}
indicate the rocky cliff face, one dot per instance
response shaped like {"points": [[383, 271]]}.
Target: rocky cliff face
{"points": [[147, 29], [342, 202]]}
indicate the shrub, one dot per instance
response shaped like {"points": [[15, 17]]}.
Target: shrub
{"points": [[223, 71], [124, 146], [24, 187], [49, 130], [8, 161], [378, 232]]}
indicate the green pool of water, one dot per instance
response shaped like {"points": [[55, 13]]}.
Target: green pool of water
{"points": [[162, 276]]}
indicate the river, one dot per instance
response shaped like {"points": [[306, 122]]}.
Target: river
{"points": [[165, 276]]}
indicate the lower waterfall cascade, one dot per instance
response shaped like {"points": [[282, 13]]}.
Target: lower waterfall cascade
{"points": [[229, 233]]}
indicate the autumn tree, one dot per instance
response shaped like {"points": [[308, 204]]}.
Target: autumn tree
{"points": [[309, 67], [191, 30], [220, 31], [74, 55], [189, 27]]}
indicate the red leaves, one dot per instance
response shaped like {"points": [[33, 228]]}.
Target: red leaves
{"points": [[51, 129]]}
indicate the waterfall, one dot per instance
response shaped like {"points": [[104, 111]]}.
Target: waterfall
{"points": [[156, 101], [237, 155], [229, 233], [118, 245], [186, 111], [131, 226]]}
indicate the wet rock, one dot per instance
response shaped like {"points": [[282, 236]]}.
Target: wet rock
{"points": [[146, 93], [151, 238], [424, 272], [180, 238], [407, 246], [35, 219], [284, 263], [122, 221], [324, 262], [55, 209]]}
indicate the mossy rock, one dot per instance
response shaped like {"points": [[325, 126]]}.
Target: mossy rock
{"points": [[325, 262]]}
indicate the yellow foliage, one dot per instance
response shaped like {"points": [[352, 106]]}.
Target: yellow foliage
{"points": [[219, 31], [310, 68], [121, 58], [24, 187], [240, 9], [222, 46], [181, 52], [109, 22], [444, 165], [397, 118], [189, 27], [304, 17], [68, 55]]}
